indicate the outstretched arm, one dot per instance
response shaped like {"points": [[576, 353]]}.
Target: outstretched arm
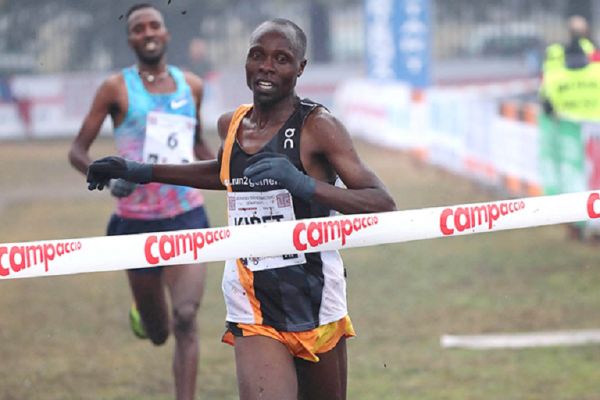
{"points": [[200, 174]]}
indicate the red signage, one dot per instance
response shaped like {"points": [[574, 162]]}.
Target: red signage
{"points": [[166, 246], [17, 258], [317, 233]]}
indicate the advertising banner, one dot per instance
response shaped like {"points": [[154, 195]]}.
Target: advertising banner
{"points": [[398, 38], [109, 253]]}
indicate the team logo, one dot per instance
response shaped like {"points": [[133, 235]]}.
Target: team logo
{"points": [[175, 104], [288, 142]]}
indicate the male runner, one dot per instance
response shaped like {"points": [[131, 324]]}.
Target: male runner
{"points": [[286, 316], [155, 110]]}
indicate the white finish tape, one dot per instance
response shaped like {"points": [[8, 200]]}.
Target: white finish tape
{"points": [[95, 254]]}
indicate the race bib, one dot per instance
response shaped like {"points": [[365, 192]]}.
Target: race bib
{"points": [[245, 208], [169, 138]]}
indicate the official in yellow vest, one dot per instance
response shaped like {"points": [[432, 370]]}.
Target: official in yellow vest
{"points": [[572, 82]]}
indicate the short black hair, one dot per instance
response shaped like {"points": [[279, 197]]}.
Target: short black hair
{"points": [[134, 8], [300, 41], [138, 6]]}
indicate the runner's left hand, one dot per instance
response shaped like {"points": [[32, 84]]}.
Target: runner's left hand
{"points": [[276, 166]]}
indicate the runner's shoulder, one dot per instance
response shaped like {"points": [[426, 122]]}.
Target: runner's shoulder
{"points": [[112, 85], [223, 124], [321, 121], [195, 82]]}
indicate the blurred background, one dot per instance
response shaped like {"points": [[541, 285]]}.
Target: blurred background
{"points": [[442, 79], [58, 36], [443, 100]]}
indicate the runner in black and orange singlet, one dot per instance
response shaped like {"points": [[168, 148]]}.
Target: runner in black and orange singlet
{"points": [[286, 316]]}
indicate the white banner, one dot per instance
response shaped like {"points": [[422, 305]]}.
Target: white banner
{"points": [[62, 257]]}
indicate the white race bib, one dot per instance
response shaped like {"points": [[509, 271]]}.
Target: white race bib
{"points": [[245, 208], [169, 138]]}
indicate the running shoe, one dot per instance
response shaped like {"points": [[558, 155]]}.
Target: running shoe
{"points": [[136, 324]]}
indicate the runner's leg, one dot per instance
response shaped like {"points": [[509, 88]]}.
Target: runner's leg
{"points": [[150, 299], [265, 369], [325, 380], [186, 287]]}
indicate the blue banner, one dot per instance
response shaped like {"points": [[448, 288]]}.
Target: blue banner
{"points": [[5, 92], [398, 40]]}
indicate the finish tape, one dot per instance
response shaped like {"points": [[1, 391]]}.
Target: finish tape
{"points": [[111, 253]]}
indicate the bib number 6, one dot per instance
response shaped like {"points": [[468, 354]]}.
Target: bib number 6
{"points": [[172, 141]]}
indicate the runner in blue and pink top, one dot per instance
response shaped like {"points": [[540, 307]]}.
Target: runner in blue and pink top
{"points": [[154, 108]]}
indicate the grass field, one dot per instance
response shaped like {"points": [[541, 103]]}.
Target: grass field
{"points": [[64, 338]]}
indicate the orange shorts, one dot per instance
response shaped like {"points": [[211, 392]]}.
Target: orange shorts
{"points": [[305, 344]]}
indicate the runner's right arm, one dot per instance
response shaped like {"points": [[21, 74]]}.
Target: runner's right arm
{"points": [[105, 102]]}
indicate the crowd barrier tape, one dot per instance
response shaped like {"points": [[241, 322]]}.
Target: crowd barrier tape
{"points": [[96, 254]]}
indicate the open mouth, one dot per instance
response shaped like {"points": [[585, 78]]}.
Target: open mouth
{"points": [[265, 85], [150, 46]]}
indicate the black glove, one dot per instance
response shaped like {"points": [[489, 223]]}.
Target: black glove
{"points": [[121, 188], [101, 171], [277, 166]]}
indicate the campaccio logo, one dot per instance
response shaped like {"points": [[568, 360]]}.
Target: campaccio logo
{"points": [[462, 218], [593, 201], [317, 233], [14, 259], [164, 247]]}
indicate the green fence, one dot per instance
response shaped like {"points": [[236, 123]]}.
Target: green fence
{"points": [[562, 156]]}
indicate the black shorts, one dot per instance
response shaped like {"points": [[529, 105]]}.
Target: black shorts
{"points": [[193, 219]]}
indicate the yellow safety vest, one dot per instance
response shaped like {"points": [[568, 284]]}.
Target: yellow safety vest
{"points": [[574, 93], [555, 54], [555, 57], [587, 46]]}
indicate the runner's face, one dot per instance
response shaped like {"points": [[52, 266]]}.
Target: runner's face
{"points": [[272, 65], [147, 35]]}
